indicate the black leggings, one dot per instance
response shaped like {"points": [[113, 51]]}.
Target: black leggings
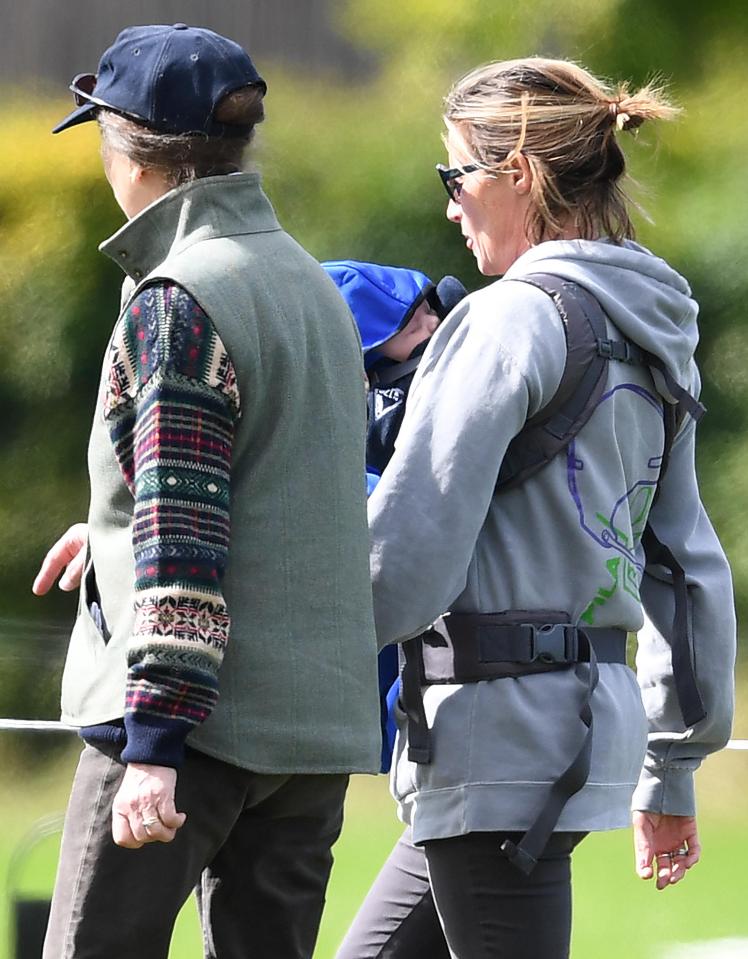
{"points": [[464, 891]]}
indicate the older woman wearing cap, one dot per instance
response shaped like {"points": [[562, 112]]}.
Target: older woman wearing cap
{"points": [[231, 409]]}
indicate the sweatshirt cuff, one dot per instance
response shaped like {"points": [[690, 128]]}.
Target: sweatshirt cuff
{"points": [[668, 790], [154, 741]]}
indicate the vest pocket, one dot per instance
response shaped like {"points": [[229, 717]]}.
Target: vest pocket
{"points": [[92, 601]]}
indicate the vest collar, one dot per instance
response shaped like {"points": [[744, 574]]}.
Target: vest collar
{"points": [[204, 209]]}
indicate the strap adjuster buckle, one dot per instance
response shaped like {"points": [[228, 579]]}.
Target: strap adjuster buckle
{"points": [[614, 350], [555, 643], [620, 350]]}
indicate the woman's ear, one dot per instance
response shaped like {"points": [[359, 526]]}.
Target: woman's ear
{"points": [[521, 176], [135, 172]]}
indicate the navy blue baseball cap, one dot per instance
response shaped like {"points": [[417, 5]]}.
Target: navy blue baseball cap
{"points": [[169, 78]]}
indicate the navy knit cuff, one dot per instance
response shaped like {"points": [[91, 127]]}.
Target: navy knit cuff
{"points": [[105, 734], [155, 741]]}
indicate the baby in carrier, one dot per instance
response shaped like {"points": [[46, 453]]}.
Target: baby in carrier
{"points": [[396, 311]]}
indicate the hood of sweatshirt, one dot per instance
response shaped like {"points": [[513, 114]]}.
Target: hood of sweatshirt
{"points": [[647, 300]]}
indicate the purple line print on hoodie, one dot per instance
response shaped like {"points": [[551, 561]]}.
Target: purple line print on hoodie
{"points": [[616, 527]]}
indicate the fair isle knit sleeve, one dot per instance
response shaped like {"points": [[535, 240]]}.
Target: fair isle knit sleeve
{"points": [[171, 404]]}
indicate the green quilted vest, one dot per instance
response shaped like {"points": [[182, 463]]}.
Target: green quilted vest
{"points": [[298, 685]]}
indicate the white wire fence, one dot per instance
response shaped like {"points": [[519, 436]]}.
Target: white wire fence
{"points": [[55, 726]]}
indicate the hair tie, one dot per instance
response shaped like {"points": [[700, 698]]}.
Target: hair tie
{"points": [[621, 119]]}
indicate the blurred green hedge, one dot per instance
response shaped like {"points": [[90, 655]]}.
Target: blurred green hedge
{"points": [[350, 171]]}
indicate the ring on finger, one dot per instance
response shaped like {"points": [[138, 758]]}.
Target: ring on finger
{"points": [[673, 853], [147, 823]]}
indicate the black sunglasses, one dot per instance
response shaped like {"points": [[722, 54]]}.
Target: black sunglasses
{"points": [[83, 86], [450, 177]]}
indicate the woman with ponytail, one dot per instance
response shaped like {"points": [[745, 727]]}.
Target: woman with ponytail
{"points": [[549, 517]]}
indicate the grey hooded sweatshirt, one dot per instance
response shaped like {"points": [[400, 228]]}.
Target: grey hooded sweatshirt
{"points": [[566, 539]]}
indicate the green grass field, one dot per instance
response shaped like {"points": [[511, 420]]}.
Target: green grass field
{"points": [[617, 916]]}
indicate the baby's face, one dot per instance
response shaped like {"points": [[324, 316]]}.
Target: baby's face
{"points": [[419, 328]]}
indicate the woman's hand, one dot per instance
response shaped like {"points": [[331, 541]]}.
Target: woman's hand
{"points": [[143, 810], [68, 553], [670, 842]]}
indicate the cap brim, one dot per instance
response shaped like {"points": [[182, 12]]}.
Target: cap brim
{"points": [[79, 115]]}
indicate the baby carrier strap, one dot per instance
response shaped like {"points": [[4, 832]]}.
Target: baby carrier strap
{"points": [[588, 352], [391, 374], [681, 647]]}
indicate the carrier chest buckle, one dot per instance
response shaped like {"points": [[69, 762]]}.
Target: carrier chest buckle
{"points": [[554, 643]]}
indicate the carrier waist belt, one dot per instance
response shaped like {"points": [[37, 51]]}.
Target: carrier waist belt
{"points": [[467, 648]]}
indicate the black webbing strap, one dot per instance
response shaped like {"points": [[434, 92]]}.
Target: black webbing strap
{"points": [[682, 398], [392, 373], [677, 405], [687, 691], [588, 352], [689, 698], [671, 422], [525, 854], [411, 680]]}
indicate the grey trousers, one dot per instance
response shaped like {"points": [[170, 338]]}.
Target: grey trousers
{"points": [[256, 847], [461, 898]]}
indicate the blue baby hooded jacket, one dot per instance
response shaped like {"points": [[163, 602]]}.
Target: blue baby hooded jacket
{"points": [[381, 298]]}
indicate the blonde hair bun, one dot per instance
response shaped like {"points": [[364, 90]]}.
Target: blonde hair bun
{"points": [[564, 121]]}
